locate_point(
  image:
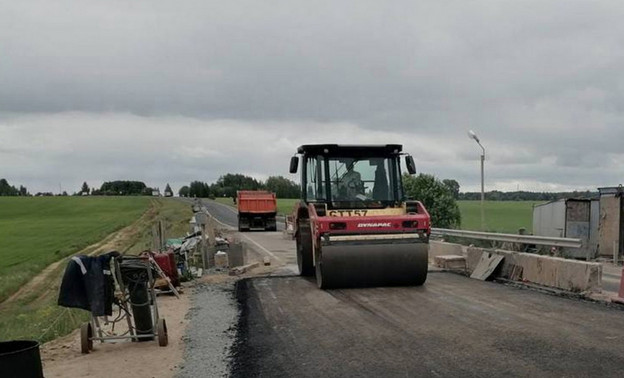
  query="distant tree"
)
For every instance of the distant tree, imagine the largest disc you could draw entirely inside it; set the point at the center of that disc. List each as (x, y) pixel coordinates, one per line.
(168, 191)
(228, 184)
(496, 195)
(23, 191)
(184, 191)
(283, 187)
(436, 197)
(7, 190)
(123, 188)
(85, 188)
(199, 189)
(453, 186)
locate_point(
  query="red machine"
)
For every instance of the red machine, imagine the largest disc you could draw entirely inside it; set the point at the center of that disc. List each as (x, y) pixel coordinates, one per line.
(166, 262)
(354, 226)
(256, 210)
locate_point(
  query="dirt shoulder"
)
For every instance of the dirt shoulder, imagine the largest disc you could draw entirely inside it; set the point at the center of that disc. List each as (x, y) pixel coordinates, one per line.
(62, 357)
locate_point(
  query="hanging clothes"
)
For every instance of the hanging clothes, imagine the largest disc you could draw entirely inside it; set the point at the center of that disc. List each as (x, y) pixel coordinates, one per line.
(88, 284)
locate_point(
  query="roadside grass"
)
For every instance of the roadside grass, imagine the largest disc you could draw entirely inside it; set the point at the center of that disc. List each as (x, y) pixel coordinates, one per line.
(175, 215)
(500, 216)
(34, 314)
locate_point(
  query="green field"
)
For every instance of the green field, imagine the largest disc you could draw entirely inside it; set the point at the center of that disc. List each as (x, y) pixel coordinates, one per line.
(35, 232)
(500, 216)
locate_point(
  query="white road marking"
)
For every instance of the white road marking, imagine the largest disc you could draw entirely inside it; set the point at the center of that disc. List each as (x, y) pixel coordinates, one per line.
(243, 235)
(218, 221)
(262, 248)
(227, 207)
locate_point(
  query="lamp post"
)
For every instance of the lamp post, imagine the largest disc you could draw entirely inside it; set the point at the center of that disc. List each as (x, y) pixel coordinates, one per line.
(472, 135)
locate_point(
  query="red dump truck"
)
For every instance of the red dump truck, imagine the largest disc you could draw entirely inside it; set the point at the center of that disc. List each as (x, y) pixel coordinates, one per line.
(256, 210)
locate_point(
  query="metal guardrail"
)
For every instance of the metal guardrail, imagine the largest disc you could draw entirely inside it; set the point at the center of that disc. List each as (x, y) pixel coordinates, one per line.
(511, 238)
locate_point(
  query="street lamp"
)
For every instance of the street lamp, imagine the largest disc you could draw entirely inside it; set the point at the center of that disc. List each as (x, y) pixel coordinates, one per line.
(472, 135)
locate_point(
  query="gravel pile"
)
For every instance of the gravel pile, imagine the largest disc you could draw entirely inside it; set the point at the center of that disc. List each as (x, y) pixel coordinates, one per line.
(211, 331)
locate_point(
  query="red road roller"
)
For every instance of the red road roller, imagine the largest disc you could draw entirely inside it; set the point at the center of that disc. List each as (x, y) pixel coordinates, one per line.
(354, 225)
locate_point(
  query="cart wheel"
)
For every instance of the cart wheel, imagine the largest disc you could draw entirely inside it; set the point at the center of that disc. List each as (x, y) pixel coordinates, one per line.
(163, 338)
(86, 338)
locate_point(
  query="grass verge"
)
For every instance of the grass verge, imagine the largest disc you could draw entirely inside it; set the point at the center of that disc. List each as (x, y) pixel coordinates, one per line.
(500, 216)
(33, 313)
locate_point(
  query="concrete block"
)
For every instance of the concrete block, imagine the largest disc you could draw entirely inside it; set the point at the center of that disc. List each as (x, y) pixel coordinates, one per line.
(451, 262)
(438, 248)
(473, 256)
(487, 266)
(571, 275)
(236, 255)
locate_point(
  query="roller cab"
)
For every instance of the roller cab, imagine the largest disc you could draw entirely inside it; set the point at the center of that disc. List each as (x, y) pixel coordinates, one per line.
(354, 226)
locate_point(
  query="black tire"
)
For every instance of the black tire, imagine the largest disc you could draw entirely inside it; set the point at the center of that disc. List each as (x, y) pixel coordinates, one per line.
(273, 225)
(86, 341)
(163, 337)
(319, 272)
(322, 280)
(423, 268)
(304, 250)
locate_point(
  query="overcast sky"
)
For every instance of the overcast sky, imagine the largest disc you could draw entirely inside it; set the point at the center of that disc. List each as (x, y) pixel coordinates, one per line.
(174, 91)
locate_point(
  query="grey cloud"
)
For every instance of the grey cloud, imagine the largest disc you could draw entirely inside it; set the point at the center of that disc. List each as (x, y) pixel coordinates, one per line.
(538, 80)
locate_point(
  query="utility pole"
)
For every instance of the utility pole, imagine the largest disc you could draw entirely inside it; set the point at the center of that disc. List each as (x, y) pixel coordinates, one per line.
(472, 135)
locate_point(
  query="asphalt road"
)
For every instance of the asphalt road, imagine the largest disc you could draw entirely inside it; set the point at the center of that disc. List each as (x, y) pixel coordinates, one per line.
(452, 326)
(228, 215)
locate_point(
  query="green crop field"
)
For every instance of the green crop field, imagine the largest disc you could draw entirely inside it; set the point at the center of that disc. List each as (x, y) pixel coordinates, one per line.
(35, 232)
(500, 216)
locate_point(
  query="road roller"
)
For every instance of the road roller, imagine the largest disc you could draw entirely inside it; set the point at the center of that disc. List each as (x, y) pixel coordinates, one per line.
(354, 225)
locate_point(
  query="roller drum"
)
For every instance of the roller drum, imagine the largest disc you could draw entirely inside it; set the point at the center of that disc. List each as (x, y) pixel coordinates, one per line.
(339, 266)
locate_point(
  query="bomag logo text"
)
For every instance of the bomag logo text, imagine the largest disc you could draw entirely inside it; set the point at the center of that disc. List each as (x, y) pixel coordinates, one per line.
(368, 225)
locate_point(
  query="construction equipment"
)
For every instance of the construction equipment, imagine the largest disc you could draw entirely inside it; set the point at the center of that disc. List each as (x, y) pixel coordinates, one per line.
(136, 303)
(256, 210)
(354, 226)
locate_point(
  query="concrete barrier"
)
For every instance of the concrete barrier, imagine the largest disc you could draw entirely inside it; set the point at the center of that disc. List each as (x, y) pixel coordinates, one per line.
(438, 248)
(451, 262)
(570, 275)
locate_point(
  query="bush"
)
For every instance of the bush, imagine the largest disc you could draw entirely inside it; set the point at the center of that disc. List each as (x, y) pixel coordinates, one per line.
(437, 198)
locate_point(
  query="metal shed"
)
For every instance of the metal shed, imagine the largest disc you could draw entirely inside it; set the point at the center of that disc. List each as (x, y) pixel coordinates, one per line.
(569, 218)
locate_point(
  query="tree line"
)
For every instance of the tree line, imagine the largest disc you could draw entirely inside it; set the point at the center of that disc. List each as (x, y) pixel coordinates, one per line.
(8, 190)
(496, 195)
(227, 185)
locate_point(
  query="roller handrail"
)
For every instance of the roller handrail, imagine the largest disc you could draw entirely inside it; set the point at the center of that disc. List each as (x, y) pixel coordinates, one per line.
(511, 238)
